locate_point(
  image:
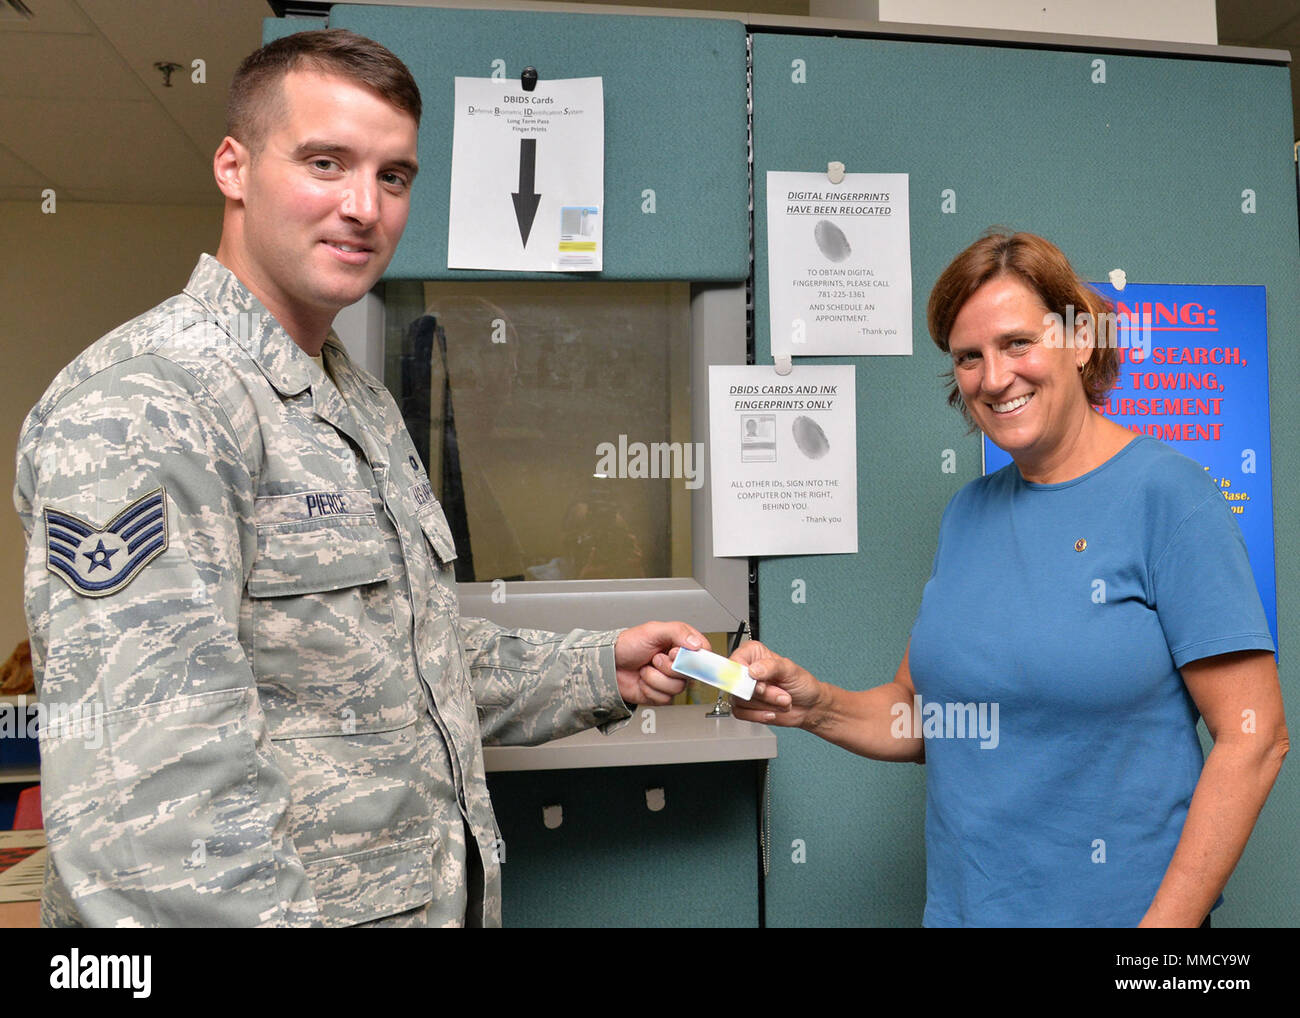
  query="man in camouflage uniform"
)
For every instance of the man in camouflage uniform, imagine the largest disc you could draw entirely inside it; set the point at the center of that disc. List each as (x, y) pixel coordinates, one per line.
(269, 710)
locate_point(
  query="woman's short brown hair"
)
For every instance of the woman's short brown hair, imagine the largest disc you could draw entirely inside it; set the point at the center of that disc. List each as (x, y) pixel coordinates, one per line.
(255, 94)
(1043, 267)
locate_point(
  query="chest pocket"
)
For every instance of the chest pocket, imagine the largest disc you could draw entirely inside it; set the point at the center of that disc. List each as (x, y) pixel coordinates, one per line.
(324, 641)
(441, 551)
(437, 631)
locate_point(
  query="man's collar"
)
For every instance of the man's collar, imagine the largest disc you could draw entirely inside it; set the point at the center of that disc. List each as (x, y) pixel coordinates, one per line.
(238, 313)
(336, 358)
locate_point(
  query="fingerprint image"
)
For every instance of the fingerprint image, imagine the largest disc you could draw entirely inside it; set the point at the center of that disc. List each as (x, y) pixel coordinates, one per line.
(810, 438)
(831, 241)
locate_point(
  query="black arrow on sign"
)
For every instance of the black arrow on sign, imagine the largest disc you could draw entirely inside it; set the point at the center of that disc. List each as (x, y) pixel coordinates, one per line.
(526, 200)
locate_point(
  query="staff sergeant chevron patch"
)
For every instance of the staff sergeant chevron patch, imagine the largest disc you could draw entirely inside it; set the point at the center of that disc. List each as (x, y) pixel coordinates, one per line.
(98, 561)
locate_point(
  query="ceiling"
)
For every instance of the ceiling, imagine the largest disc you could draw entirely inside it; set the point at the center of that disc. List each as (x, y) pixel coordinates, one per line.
(83, 109)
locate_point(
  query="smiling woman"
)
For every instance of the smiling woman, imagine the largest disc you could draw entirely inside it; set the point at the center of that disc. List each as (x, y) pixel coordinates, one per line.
(1018, 375)
(1091, 599)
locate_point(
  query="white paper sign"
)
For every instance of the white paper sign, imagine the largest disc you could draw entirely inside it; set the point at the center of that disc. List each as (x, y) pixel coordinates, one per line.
(527, 176)
(784, 456)
(839, 260)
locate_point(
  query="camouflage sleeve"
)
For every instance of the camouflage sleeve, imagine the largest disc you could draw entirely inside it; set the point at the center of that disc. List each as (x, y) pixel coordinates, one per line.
(164, 803)
(533, 686)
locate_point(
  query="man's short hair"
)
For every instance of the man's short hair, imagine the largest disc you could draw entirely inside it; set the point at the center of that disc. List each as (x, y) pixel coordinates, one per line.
(256, 93)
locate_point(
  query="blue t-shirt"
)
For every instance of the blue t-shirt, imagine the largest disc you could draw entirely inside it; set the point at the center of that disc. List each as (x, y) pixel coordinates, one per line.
(1061, 747)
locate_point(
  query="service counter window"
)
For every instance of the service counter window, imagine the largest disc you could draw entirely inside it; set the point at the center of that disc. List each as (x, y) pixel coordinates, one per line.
(563, 428)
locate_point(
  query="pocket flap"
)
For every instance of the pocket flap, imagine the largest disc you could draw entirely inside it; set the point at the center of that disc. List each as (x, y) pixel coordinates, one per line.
(369, 885)
(329, 555)
(438, 531)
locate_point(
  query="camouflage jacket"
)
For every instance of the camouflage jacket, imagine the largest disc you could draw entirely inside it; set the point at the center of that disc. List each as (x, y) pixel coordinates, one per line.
(262, 704)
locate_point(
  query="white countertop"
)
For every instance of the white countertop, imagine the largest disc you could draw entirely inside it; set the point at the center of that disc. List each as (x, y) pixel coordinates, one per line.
(681, 734)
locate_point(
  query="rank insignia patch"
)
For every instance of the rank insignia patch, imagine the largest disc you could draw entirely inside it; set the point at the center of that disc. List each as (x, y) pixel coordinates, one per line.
(98, 561)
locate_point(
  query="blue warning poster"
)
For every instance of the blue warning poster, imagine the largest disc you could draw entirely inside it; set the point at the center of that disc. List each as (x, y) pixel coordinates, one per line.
(1194, 374)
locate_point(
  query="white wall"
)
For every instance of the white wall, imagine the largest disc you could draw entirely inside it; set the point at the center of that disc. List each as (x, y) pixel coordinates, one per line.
(67, 278)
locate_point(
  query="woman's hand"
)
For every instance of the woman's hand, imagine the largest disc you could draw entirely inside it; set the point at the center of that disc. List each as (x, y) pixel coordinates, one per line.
(860, 721)
(786, 695)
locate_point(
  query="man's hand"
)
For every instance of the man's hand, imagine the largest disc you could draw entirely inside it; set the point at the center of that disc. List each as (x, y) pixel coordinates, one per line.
(785, 694)
(642, 656)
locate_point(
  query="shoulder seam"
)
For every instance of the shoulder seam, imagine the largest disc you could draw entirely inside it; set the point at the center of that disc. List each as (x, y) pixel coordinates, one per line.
(1181, 523)
(216, 402)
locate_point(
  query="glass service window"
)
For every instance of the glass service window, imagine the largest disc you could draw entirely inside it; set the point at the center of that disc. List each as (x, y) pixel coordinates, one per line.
(555, 423)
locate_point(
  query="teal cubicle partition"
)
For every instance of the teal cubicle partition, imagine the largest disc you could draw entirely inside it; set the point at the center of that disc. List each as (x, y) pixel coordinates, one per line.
(674, 124)
(1137, 162)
